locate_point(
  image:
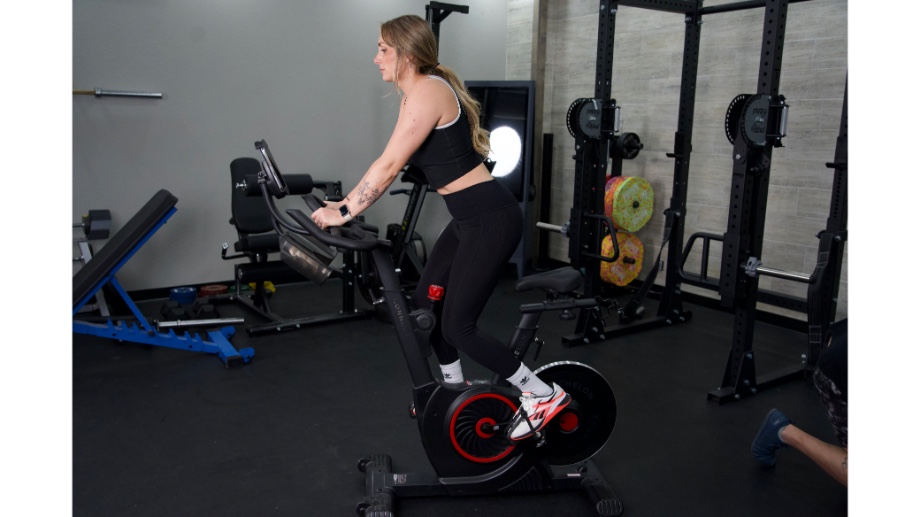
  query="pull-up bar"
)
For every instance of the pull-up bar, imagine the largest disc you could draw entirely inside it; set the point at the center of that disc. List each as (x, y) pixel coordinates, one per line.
(436, 12)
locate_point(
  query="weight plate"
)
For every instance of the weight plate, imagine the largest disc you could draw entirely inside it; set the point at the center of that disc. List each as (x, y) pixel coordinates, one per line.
(733, 116)
(627, 267)
(627, 146)
(212, 290)
(183, 295)
(584, 119)
(571, 121)
(628, 202)
(754, 120)
(584, 426)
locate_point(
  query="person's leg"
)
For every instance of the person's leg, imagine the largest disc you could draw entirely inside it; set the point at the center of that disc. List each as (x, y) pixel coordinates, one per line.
(830, 382)
(468, 267)
(830, 378)
(486, 243)
(436, 272)
(831, 458)
(777, 432)
(484, 246)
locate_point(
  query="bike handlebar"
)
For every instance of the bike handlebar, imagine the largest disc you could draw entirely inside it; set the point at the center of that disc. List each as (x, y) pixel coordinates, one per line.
(354, 235)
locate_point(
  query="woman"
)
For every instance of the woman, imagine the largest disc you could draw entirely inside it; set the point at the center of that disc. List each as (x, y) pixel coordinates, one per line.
(438, 131)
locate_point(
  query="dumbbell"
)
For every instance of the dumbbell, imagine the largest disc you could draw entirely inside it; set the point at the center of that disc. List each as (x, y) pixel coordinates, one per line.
(96, 224)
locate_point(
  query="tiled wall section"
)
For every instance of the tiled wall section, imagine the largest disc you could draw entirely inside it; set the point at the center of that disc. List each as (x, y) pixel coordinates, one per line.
(518, 60)
(648, 53)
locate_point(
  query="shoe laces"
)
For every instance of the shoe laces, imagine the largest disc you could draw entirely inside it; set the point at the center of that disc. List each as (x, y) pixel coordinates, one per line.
(528, 402)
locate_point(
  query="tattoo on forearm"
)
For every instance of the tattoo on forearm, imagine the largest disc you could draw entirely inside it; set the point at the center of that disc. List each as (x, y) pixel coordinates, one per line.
(367, 195)
(846, 460)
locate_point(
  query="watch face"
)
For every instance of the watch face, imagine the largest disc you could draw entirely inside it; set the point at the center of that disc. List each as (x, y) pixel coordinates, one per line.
(343, 210)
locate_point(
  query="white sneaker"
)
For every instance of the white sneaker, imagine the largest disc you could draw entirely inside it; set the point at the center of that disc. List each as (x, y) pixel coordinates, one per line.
(535, 412)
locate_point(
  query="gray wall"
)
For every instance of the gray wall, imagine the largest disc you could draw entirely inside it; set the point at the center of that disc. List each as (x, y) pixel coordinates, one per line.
(646, 83)
(297, 73)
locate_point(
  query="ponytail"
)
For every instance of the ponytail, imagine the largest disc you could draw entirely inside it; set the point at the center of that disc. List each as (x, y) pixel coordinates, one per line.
(479, 135)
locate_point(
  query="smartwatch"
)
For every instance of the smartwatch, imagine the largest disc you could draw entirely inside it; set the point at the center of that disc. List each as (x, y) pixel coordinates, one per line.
(343, 210)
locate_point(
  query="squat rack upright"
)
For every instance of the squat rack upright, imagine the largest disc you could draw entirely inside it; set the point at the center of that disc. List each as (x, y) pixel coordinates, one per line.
(742, 242)
(585, 221)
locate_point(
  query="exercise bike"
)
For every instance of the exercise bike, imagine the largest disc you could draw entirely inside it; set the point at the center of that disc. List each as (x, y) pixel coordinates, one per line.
(463, 429)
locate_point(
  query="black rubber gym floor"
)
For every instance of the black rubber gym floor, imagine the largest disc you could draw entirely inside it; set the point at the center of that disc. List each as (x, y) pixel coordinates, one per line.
(167, 432)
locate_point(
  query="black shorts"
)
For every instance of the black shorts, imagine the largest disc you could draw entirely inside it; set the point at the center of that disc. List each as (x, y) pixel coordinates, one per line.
(831, 380)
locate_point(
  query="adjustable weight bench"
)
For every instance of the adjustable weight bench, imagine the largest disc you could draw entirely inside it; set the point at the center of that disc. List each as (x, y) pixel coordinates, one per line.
(103, 267)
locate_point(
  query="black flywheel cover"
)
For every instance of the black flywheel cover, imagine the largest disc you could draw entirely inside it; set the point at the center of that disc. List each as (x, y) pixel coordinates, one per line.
(585, 425)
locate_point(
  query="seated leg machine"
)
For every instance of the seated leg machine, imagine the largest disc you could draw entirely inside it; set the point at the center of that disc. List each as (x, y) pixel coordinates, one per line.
(258, 241)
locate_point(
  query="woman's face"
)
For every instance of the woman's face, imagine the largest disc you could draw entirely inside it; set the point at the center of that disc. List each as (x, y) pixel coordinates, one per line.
(386, 60)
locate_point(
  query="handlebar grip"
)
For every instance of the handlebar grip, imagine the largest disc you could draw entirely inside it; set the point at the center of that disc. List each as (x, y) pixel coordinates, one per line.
(313, 203)
(352, 237)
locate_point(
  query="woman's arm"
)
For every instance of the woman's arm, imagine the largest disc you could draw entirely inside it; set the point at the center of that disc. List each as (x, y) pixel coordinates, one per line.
(418, 116)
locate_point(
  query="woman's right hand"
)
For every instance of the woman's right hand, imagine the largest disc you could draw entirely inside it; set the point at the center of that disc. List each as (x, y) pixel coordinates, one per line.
(327, 216)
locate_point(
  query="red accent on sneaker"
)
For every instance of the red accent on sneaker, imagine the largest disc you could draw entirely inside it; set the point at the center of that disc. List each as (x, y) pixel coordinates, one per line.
(542, 412)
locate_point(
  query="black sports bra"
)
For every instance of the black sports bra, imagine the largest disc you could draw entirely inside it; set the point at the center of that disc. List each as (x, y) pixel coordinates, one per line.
(447, 153)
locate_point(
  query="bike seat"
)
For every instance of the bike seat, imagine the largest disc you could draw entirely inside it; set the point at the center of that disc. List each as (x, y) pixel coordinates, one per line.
(562, 280)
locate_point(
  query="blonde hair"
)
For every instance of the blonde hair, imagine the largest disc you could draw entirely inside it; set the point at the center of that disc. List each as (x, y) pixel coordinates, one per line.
(411, 36)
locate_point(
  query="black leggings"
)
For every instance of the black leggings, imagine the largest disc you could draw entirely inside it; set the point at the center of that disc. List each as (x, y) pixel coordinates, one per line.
(467, 261)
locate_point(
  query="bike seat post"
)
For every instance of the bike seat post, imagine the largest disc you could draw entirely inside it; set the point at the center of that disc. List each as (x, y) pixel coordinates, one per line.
(526, 330)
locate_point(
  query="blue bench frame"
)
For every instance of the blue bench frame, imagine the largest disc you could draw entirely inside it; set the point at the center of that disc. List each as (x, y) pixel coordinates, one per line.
(103, 267)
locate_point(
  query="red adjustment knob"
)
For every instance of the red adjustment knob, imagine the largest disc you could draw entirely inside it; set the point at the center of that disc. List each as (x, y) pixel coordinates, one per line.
(435, 293)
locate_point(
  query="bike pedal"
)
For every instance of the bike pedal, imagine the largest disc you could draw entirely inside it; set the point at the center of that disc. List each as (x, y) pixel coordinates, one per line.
(540, 438)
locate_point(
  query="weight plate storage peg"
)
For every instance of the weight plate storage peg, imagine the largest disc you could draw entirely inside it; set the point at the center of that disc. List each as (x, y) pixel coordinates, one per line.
(627, 146)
